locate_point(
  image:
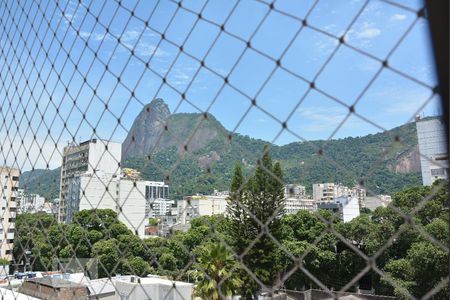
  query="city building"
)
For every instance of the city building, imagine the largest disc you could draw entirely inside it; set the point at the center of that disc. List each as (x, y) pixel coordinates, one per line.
(89, 157)
(292, 205)
(157, 195)
(372, 202)
(326, 192)
(100, 191)
(345, 207)
(92, 179)
(54, 288)
(432, 140)
(296, 199)
(30, 203)
(201, 205)
(137, 288)
(294, 191)
(9, 183)
(360, 193)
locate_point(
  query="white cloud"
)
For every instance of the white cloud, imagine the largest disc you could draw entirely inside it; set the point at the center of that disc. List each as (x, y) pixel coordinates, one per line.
(398, 17)
(368, 33)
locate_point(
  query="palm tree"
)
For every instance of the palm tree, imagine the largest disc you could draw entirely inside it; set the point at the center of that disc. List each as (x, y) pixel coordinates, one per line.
(215, 270)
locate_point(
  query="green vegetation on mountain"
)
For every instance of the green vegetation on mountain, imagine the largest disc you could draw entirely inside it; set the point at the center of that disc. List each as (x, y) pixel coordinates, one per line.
(43, 182)
(194, 153)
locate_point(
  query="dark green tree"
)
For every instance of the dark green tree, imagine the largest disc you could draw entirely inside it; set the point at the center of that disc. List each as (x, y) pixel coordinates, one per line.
(256, 221)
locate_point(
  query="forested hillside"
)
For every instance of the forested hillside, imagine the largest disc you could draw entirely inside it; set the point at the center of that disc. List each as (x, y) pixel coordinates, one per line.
(194, 153)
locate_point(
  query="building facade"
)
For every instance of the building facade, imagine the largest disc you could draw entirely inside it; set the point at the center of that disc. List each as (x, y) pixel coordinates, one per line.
(9, 183)
(30, 202)
(326, 192)
(344, 207)
(157, 195)
(432, 139)
(89, 157)
(293, 205)
(201, 205)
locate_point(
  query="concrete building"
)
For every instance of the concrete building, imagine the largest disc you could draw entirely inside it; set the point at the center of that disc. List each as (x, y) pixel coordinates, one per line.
(326, 192)
(201, 205)
(360, 193)
(372, 202)
(292, 205)
(136, 288)
(296, 199)
(30, 203)
(432, 139)
(131, 205)
(345, 207)
(54, 288)
(9, 183)
(89, 157)
(158, 202)
(294, 191)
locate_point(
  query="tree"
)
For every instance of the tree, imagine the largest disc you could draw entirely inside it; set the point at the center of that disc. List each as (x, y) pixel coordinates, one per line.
(215, 273)
(257, 220)
(237, 213)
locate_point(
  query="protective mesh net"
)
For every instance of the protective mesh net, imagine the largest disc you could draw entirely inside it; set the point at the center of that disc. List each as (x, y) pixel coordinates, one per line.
(83, 121)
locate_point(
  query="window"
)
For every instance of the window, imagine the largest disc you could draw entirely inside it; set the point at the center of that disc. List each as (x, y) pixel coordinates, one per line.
(437, 172)
(15, 178)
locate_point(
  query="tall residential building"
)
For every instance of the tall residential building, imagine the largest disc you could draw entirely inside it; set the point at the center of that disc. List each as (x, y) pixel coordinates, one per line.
(9, 182)
(89, 157)
(432, 139)
(91, 178)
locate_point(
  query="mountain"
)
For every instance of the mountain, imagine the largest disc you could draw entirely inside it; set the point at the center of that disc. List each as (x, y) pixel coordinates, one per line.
(41, 181)
(194, 153)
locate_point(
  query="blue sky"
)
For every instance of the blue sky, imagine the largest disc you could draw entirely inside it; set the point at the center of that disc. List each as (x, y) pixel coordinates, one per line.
(282, 94)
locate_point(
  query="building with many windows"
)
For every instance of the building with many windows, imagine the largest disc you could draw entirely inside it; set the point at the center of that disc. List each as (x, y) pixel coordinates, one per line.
(9, 183)
(89, 158)
(432, 139)
(326, 192)
(201, 205)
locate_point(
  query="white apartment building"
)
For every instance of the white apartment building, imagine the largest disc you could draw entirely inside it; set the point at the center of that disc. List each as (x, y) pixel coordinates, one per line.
(201, 205)
(29, 202)
(89, 157)
(432, 139)
(9, 183)
(126, 197)
(157, 195)
(346, 207)
(131, 205)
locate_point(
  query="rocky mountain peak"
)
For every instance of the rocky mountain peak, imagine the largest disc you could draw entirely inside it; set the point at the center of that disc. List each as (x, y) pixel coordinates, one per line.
(146, 129)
